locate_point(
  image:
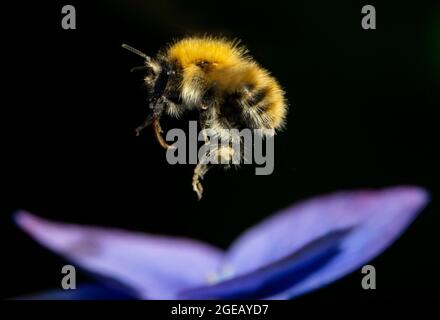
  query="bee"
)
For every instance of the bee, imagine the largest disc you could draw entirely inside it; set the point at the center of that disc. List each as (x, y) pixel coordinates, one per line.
(218, 78)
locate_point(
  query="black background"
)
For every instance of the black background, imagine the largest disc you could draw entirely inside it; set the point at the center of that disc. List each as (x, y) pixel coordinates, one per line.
(362, 115)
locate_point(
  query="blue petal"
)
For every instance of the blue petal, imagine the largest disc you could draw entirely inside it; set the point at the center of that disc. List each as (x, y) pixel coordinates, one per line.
(83, 292)
(278, 276)
(266, 256)
(155, 267)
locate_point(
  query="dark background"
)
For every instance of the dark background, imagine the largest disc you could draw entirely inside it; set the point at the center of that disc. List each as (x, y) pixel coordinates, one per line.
(362, 115)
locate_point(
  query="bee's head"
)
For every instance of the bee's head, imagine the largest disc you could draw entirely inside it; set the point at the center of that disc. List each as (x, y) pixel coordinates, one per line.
(158, 74)
(162, 76)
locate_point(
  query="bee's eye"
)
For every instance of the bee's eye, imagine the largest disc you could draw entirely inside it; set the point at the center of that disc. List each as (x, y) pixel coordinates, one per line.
(202, 63)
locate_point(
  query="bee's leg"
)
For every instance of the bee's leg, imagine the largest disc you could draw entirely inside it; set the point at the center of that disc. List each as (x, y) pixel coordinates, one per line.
(166, 104)
(158, 134)
(199, 171)
(205, 118)
(201, 168)
(157, 110)
(154, 118)
(207, 112)
(223, 155)
(148, 120)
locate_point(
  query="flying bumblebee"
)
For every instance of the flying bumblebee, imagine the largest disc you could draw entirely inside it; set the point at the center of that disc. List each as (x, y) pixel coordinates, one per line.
(218, 78)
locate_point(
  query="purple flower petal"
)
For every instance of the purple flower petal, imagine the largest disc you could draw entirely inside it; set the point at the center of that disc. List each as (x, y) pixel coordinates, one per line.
(376, 219)
(156, 267)
(88, 291)
(277, 276)
(300, 249)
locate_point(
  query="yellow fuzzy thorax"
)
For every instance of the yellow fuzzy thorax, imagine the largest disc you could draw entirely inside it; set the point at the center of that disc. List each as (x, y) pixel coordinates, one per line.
(221, 52)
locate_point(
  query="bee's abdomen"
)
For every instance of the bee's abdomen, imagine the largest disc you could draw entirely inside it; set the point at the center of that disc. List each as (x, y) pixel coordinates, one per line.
(263, 107)
(256, 97)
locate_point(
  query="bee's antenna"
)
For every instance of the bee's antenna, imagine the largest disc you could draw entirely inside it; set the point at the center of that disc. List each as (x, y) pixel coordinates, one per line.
(135, 51)
(138, 68)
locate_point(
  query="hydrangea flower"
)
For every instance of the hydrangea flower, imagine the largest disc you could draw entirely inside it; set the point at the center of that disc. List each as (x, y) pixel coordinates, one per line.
(300, 249)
